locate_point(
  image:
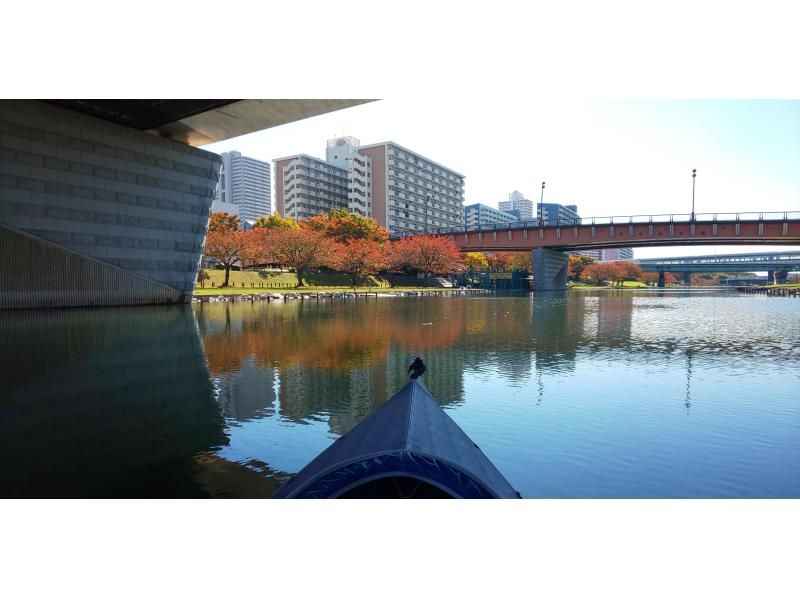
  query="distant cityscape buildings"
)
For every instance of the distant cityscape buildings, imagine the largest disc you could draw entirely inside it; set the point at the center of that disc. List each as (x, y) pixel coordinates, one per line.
(554, 212)
(404, 191)
(518, 203)
(479, 214)
(246, 183)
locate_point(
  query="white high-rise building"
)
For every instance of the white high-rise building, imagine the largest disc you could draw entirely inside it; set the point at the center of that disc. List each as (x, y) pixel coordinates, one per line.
(343, 152)
(517, 201)
(479, 214)
(245, 182)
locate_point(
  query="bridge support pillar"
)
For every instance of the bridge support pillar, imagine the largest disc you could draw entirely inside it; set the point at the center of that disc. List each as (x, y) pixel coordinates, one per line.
(687, 279)
(771, 277)
(781, 277)
(549, 270)
(661, 281)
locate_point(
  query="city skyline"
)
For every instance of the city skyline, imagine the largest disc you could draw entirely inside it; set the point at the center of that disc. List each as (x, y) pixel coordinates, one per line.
(611, 158)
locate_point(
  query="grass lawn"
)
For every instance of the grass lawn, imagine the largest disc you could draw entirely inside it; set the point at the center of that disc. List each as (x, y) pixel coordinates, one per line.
(782, 286)
(246, 282)
(274, 280)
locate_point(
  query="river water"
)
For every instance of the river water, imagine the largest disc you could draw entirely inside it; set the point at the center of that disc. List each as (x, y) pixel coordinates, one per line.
(618, 394)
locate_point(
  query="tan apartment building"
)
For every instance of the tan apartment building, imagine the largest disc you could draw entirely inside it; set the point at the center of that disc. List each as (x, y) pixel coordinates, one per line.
(404, 191)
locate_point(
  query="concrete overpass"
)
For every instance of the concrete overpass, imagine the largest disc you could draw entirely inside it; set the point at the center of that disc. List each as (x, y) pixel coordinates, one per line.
(550, 243)
(106, 202)
(777, 264)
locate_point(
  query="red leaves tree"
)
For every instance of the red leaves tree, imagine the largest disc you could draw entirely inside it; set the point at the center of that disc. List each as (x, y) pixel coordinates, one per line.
(226, 246)
(499, 262)
(627, 270)
(359, 257)
(427, 254)
(298, 248)
(600, 272)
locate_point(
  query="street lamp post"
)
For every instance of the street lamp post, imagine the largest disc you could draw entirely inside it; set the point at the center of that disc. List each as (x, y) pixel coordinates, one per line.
(541, 207)
(694, 174)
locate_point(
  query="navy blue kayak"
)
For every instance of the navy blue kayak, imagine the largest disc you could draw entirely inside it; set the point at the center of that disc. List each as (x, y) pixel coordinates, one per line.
(407, 448)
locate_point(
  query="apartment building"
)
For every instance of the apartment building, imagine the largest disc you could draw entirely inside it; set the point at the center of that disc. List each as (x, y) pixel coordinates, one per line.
(343, 153)
(555, 212)
(517, 201)
(246, 182)
(401, 189)
(479, 214)
(306, 186)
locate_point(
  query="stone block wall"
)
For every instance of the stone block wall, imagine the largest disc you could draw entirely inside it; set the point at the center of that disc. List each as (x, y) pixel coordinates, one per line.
(127, 198)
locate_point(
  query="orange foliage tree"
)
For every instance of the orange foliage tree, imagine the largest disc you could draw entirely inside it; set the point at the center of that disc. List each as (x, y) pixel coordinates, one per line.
(600, 272)
(425, 253)
(222, 221)
(359, 257)
(343, 227)
(577, 264)
(228, 247)
(298, 248)
(499, 262)
(627, 270)
(521, 261)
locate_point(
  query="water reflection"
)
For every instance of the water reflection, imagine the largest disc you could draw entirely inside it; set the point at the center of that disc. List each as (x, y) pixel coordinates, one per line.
(570, 395)
(100, 403)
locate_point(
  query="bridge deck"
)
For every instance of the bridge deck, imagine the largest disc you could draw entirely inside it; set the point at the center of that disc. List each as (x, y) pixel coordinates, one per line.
(763, 229)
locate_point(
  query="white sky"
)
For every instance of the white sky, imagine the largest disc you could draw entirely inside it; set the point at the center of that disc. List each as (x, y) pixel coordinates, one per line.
(610, 158)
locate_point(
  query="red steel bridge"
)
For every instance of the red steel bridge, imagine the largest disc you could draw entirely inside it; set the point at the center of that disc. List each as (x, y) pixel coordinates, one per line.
(550, 241)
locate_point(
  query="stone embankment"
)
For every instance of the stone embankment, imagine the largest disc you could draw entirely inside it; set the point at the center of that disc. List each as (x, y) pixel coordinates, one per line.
(770, 292)
(330, 296)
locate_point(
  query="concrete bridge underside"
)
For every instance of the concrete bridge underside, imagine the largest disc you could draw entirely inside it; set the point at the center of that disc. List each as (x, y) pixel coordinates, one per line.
(106, 202)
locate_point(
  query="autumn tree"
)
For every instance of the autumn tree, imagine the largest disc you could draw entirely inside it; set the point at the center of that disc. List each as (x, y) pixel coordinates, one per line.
(650, 278)
(228, 247)
(499, 262)
(275, 221)
(600, 272)
(475, 260)
(427, 254)
(342, 226)
(222, 221)
(521, 261)
(577, 265)
(299, 248)
(359, 257)
(626, 270)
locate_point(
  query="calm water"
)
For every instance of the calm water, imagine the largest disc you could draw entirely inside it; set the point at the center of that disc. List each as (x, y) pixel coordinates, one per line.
(634, 394)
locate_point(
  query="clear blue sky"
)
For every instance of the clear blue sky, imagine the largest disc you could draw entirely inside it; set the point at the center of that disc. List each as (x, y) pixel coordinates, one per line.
(608, 157)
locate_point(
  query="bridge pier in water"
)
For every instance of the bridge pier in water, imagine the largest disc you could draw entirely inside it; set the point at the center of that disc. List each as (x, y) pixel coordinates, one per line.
(687, 279)
(661, 281)
(549, 269)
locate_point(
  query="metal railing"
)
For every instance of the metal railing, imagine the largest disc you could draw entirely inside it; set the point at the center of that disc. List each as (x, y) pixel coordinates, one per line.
(625, 220)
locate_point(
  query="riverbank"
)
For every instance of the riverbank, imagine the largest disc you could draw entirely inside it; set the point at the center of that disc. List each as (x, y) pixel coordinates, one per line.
(239, 295)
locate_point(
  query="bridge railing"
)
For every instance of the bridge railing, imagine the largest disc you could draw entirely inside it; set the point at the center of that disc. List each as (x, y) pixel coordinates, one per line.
(624, 220)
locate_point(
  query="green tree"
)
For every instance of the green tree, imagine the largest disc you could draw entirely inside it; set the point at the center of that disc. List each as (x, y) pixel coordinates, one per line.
(275, 221)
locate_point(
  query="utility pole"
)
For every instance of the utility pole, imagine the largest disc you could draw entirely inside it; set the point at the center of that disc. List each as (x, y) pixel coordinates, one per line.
(694, 174)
